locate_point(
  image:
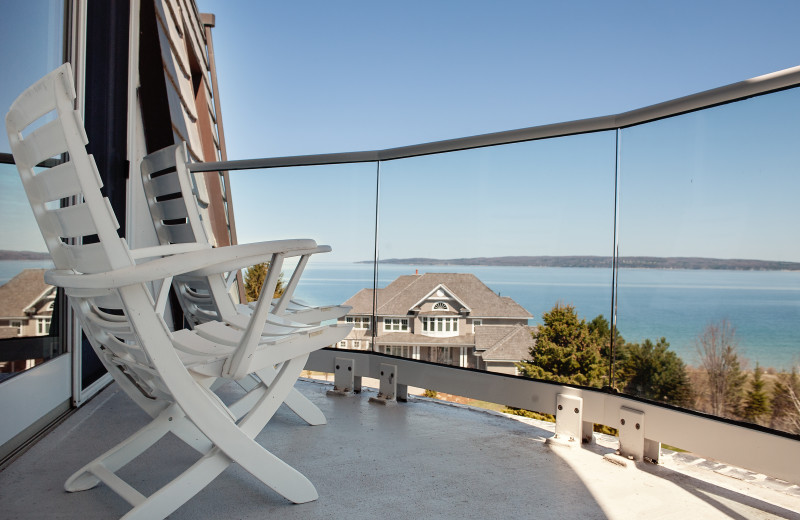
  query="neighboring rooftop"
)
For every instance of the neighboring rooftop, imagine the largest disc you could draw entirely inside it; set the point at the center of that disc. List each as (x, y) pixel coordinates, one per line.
(405, 292)
(504, 342)
(421, 459)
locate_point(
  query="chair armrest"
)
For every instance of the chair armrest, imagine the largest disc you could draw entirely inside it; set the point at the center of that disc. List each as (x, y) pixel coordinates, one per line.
(204, 262)
(167, 250)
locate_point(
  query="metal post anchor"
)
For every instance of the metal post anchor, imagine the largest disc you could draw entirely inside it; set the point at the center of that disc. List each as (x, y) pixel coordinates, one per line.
(387, 393)
(569, 421)
(343, 377)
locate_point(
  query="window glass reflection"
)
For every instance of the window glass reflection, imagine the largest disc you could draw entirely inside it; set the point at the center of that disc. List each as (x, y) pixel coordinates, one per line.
(27, 303)
(31, 36)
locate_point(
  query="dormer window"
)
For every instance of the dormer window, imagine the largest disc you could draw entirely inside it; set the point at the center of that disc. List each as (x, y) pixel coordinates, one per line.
(440, 306)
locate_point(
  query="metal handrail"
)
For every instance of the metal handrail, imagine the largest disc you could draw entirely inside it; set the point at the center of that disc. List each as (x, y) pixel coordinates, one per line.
(757, 86)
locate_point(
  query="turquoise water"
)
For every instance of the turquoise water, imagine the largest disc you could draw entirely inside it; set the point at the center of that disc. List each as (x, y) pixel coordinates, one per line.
(763, 306)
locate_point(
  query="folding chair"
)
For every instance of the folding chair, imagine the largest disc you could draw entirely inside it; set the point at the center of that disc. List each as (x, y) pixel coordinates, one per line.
(167, 373)
(171, 198)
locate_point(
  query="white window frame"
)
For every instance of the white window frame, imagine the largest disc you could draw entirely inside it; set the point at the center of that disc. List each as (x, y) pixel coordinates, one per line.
(476, 323)
(17, 324)
(359, 322)
(395, 324)
(440, 306)
(440, 326)
(43, 326)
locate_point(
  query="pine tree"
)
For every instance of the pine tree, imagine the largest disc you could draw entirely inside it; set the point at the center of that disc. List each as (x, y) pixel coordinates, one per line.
(653, 371)
(756, 404)
(566, 350)
(254, 279)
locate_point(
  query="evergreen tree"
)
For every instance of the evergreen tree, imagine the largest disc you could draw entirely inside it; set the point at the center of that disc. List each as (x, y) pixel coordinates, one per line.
(653, 371)
(254, 277)
(756, 403)
(566, 350)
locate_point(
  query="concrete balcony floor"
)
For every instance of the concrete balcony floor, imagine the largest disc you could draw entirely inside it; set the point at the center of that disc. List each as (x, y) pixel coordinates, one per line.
(421, 459)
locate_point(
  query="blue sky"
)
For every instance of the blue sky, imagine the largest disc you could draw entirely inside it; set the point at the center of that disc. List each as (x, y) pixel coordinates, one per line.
(315, 77)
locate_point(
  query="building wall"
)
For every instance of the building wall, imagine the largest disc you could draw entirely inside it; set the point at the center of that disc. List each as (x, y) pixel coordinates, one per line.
(502, 367)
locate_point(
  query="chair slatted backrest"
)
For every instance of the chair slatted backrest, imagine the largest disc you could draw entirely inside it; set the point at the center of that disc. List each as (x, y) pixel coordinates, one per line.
(173, 208)
(82, 236)
(67, 230)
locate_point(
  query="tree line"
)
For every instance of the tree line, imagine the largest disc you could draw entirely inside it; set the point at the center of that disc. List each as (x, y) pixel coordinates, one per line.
(569, 349)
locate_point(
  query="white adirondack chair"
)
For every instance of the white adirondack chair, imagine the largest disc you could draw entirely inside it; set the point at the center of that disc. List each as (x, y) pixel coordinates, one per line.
(177, 221)
(171, 197)
(167, 373)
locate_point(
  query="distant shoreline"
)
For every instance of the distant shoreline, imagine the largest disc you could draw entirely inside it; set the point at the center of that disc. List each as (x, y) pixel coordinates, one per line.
(23, 255)
(636, 262)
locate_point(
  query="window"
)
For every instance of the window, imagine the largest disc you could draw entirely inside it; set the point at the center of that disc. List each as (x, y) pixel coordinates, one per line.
(356, 344)
(359, 322)
(43, 326)
(343, 344)
(18, 325)
(444, 325)
(441, 306)
(395, 324)
(476, 323)
(399, 351)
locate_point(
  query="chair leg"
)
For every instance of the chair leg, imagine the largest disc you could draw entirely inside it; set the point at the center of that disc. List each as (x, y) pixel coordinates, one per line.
(186, 485)
(295, 400)
(124, 452)
(237, 441)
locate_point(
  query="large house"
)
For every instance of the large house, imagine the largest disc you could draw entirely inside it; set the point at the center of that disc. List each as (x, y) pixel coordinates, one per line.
(446, 318)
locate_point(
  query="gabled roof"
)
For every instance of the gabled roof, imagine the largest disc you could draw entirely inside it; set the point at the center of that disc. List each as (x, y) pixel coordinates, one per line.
(445, 290)
(400, 296)
(24, 291)
(504, 342)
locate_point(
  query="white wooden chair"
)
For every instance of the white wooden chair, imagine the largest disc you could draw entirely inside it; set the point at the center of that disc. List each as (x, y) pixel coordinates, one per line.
(167, 373)
(171, 198)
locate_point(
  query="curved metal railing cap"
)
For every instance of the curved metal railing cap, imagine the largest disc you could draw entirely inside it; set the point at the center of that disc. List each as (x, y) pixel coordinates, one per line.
(780, 80)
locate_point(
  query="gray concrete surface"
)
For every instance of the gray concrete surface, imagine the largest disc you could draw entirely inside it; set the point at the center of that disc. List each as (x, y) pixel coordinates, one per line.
(420, 459)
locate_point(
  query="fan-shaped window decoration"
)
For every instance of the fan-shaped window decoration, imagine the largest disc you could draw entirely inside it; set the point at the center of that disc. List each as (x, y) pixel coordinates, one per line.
(441, 306)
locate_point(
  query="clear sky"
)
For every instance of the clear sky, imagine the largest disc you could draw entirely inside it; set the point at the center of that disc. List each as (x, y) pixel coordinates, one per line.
(317, 77)
(308, 77)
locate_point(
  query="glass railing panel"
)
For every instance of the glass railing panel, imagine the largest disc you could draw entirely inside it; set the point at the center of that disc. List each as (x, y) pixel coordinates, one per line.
(709, 278)
(32, 34)
(332, 204)
(477, 248)
(27, 303)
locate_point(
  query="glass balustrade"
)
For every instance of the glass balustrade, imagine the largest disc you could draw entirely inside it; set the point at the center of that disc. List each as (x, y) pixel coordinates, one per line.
(478, 248)
(709, 279)
(332, 204)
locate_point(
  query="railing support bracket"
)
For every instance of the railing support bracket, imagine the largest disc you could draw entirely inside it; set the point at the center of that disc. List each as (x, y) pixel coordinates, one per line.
(569, 421)
(387, 393)
(343, 377)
